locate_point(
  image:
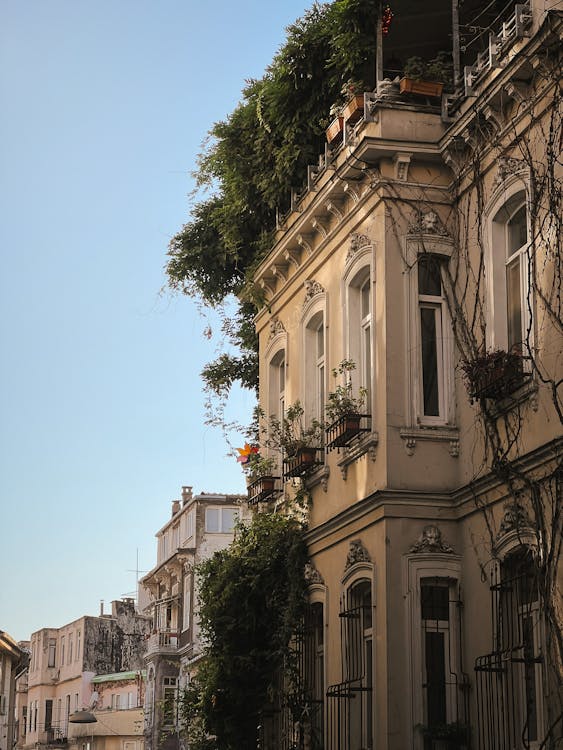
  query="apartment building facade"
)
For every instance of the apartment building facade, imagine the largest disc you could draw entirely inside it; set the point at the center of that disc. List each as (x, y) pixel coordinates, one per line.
(12, 663)
(426, 250)
(199, 526)
(64, 665)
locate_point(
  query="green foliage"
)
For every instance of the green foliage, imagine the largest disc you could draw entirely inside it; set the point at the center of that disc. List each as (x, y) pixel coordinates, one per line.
(291, 433)
(252, 597)
(341, 401)
(254, 158)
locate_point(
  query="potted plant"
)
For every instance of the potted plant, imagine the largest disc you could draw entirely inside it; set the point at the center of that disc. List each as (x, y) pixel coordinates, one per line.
(494, 374)
(426, 78)
(348, 108)
(344, 411)
(261, 481)
(300, 444)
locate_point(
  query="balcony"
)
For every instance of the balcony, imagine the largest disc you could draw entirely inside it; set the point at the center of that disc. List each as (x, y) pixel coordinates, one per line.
(164, 640)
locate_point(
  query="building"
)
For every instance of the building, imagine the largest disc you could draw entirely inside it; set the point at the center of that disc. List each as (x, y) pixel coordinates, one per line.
(199, 526)
(12, 662)
(78, 666)
(426, 245)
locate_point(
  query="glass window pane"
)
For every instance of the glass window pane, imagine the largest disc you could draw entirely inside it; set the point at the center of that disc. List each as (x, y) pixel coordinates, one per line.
(435, 677)
(229, 517)
(514, 304)
(429, 279)
(429, 361)
(434, 601)
(212, 519)
(517, 229)
(320, 341)
(364, 295)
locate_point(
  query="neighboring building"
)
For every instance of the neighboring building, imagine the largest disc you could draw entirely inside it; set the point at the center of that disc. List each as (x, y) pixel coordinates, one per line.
(200, 525)
(424, 238)
(69, 664)
(12, 661)
(20, 726)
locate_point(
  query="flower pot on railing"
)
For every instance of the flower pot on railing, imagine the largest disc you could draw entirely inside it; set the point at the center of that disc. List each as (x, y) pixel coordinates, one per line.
(494, 375)
(354, 109)
(422, 88)
(304, 459)
(335, 130)
(261, 488)
(341, 432)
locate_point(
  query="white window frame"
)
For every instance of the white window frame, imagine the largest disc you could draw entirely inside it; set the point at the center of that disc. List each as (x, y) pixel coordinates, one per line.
(187, 602)
(502, 208)
(357, 273)
(417, 567)
(221, 509)
(440, 248)
(313, 375)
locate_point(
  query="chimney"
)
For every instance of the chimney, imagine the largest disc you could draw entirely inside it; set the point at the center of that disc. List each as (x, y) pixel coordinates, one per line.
(186, 495)
(175, 507)
(101, 607)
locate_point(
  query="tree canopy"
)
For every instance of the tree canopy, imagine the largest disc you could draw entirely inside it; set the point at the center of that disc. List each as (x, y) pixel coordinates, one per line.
(253, 159)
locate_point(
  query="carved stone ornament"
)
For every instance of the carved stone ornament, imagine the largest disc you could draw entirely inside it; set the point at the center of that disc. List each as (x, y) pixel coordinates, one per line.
(276, 326)
(357, 554)
(312, 288)
(357, 242)
(515, 518)
(431, 541)
(427, 222)
(312, 575)
(506, 167)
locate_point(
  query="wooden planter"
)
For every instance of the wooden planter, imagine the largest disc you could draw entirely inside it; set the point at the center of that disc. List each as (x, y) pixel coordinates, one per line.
(261, 489)
(303, 461)
(354, 110)
(341, 432)
(423, 88)
(335, 130)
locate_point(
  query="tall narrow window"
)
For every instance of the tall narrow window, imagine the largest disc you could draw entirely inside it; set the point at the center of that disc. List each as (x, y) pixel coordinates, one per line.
(62, 651)
(516, 243)
(186, 604)
(78, 645)
(48, 715)
(514, 668)
(312, 672)
(70, 648)
(436, 651)
(169, 688)
(52, 653)
(431, 311)
(508, 284)
(359, 331)
(314, 371)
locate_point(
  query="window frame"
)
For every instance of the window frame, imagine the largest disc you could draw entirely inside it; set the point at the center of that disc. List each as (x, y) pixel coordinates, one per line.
(501, 210)
(313, 372)
(221, 509)
(359, 272)
(439, 248)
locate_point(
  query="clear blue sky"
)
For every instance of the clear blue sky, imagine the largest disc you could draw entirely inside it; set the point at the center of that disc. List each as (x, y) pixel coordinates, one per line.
(104, 106)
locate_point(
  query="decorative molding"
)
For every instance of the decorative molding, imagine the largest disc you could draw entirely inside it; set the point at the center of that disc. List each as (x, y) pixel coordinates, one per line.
(365, 445)
(493, 116)
(279, 272)
(267, 286)
(332, 208)
(312, 288)
(357, 243)
(507, 167)
(356, 554)
(352, 192)
(304, 243)
(316, 224)
(519, 92)
(312, 575)
(515, 518)
(402, 162)
(276, 327)
(431, 541)
(449, 435)
(427, 222)
(292, 257)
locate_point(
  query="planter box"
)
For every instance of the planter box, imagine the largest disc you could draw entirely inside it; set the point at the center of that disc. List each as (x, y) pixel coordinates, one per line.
(341, 432)
(423, 88)
(354, 110)
(335, 130)
(261, 489)
(304, 460)
(502, 376)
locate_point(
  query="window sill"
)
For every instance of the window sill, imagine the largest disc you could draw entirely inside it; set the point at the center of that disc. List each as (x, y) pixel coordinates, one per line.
(450, 435)
(366, 444)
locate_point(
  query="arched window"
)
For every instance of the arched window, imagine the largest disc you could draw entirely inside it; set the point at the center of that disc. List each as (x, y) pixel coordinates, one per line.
(509, 285)
(314, 358)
